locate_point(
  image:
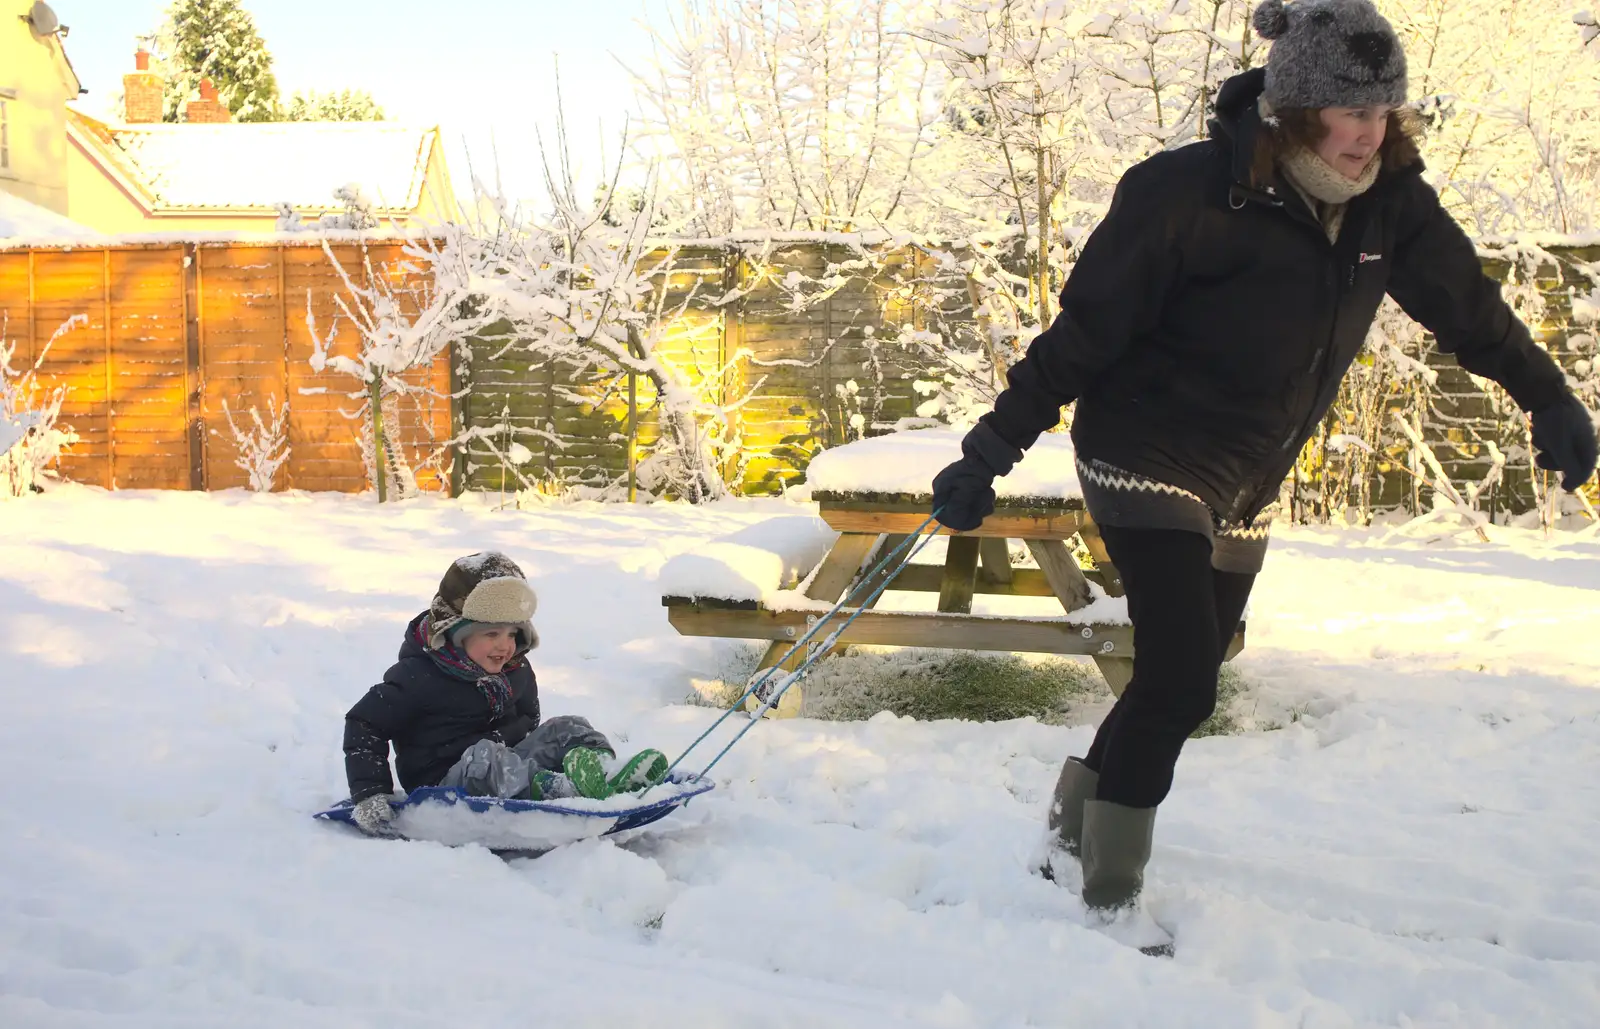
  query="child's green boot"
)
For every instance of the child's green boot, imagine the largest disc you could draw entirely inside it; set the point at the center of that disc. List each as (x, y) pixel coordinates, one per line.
(587, 770)
(546, 785)
(643, 769)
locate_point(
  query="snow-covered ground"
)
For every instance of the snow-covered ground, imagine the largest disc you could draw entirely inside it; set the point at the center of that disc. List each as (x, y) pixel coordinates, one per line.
(1418, 846)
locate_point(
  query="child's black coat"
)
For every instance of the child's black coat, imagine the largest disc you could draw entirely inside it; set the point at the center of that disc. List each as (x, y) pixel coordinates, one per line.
(431, 717)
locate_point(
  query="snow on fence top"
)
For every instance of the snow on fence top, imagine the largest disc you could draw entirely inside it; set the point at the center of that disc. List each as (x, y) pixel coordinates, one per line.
(751, 564)
(907, 461)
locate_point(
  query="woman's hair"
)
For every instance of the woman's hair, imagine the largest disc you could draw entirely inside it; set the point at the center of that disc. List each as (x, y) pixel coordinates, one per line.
(1302, 127)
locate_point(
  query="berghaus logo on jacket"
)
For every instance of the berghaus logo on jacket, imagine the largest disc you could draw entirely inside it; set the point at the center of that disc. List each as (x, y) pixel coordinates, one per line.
(1365, 257)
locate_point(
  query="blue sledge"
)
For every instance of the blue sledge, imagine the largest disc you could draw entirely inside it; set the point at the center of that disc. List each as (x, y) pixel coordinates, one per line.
(450, 816)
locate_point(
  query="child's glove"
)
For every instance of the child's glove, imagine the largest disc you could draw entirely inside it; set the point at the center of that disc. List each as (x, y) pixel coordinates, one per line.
(374, 816)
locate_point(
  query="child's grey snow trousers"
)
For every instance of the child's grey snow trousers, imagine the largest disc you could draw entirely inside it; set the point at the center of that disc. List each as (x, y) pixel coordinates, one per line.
(489, 768)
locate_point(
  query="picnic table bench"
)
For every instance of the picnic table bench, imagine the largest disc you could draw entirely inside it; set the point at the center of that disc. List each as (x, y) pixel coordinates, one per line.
(1039, 507)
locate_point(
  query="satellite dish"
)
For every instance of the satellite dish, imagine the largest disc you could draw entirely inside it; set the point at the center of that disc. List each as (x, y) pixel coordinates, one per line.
(43, 19)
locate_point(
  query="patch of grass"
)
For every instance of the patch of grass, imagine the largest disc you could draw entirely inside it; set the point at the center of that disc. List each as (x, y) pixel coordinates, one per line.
(971, 686)
(922, 684)
(1227, 719)
(734, 662)
(930, 685)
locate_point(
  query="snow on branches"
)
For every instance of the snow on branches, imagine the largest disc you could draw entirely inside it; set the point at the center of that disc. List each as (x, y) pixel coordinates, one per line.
(30, 438)
(1588, 26)
(403, 319)
(261, 445)
(790, 114)
(572, 290)
(216, 40)
(1512, 144)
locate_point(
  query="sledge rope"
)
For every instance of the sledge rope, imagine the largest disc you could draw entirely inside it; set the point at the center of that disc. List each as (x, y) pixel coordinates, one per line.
(911, 546)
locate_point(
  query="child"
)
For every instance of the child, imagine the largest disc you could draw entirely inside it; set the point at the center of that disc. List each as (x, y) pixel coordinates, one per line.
(461, 706)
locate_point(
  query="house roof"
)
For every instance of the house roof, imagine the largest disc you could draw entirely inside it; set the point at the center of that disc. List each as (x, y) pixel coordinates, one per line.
(261, 165)
(20, 219)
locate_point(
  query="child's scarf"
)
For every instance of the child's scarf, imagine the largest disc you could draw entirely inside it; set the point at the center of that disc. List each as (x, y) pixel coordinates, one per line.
(495, 686)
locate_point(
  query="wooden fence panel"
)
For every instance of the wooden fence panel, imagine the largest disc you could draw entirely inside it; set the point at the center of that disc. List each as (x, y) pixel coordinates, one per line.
(16, 306)
(241, 350)
(162, 344)
(511, 400)
(692, 348)
(324, 433)
(785, 421)
(149, 375)
(67, 285)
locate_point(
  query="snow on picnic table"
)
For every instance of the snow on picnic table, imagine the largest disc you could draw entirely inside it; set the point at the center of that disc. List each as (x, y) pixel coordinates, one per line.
(751, 563)
(1415, 847)
(907, 461)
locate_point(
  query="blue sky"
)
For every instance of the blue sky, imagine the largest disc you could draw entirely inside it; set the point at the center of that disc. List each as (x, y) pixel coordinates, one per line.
(482, 70)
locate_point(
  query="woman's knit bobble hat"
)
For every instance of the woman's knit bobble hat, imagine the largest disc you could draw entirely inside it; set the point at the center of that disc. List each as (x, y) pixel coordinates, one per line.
(486, 587)
(1330, 53)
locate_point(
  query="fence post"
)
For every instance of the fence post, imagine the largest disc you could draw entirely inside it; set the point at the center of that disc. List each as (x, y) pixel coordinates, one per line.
(33, 299)
(457, 356)
(193, 376)
(105, 319)
(283, 331)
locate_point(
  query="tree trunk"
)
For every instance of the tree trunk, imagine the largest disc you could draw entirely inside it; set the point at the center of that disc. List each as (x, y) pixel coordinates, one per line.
(697, 480)
(1044, 212)
(633, 438)
(380, 466)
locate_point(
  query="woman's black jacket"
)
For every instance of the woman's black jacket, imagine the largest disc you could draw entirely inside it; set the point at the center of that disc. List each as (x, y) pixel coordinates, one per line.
(1205, 329)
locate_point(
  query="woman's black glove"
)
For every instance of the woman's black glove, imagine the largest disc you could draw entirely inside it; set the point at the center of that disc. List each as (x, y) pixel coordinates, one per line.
(1564, 436)
(963, 494)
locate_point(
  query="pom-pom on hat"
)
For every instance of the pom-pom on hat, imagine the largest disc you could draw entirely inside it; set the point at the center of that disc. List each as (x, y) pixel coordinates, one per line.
(1330, 53)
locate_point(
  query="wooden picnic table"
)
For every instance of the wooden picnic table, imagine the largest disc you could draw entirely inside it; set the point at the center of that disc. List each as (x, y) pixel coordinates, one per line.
(861, 492)
(976, 562)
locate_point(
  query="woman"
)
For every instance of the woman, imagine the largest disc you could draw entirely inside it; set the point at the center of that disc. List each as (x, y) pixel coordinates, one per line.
(1203, 335)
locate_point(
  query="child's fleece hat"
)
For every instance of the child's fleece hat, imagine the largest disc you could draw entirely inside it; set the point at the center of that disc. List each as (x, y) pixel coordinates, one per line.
(486, 587)
(1330, 53)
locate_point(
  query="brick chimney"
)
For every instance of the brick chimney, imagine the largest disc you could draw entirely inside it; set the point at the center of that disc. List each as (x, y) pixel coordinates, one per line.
(208, 109)
(141, 91)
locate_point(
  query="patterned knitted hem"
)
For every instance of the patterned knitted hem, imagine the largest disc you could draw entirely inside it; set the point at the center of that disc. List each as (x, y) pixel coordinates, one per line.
(1116, 496)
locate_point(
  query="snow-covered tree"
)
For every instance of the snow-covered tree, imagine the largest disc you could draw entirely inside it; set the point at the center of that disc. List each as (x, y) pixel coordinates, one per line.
(31, 439)
(790, 114)
(340, 105)
(1513, 140)
(592, 297)
(1051, 101)
(404, 318)
(216, 40)
(261, 445)
(589, 288)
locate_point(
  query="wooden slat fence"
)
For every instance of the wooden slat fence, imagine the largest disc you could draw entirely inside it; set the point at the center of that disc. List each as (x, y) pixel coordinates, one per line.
(809, 378)
(171, 331)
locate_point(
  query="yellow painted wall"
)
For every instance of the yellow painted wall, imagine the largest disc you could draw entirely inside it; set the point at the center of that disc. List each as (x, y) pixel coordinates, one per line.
(438, 202)
(35, 85)
(96, 200)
